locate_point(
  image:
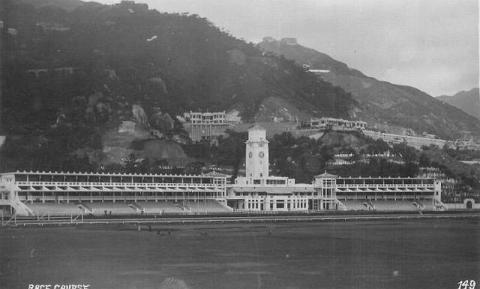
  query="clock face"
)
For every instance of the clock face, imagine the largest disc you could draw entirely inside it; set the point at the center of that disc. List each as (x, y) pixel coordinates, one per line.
(261, 154)
(250, 154)
(260, 144)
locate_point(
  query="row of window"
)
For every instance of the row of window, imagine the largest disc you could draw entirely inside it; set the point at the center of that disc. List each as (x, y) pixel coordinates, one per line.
(114, 179)
(276, 204)
(384, 181)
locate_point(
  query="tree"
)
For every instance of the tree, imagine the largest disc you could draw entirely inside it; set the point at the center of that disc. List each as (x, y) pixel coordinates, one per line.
(231, 150)
(407, 153)
(424, 160)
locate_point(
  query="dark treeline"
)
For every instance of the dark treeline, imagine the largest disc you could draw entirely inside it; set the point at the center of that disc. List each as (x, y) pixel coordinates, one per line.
(171, 62)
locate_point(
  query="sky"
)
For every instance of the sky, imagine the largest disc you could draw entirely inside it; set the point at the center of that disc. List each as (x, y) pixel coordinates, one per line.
(432, 45)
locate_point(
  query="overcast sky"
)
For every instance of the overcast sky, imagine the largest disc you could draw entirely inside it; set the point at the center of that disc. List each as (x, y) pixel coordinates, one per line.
(428, 44)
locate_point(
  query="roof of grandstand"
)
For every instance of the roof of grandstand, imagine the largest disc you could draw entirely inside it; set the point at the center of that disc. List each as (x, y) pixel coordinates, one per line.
(326, 175)
(112, 174)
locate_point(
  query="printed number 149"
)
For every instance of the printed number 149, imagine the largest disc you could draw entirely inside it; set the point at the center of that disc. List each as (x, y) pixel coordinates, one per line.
(467, 284)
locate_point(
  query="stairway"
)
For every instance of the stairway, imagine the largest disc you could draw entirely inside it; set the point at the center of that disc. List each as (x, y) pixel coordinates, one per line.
(21, 209)
(136, 207)
(86, 209)
(341, 206)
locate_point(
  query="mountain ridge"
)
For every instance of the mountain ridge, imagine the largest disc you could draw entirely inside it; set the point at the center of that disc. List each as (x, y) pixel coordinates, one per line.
(466, 100)
(384, 105)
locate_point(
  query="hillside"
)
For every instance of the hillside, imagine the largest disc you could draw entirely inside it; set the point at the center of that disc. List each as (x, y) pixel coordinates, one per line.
(468, 101)
(68, 5)
(383, 104)
(78, 71)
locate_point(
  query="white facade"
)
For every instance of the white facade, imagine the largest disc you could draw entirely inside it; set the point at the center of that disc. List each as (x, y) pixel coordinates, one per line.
(205, 125)
(337, 124)
(256, 158)
(258, 191)
(21, 192)
(414, 141)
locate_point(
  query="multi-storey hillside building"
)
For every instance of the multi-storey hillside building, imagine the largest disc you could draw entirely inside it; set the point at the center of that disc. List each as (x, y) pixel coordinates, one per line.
(350, 159)
(414, 141)
(466, 144)
(205, 125)
(337, 124)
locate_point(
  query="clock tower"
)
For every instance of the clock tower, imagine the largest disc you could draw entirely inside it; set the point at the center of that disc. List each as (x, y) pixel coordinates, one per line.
(256, 159)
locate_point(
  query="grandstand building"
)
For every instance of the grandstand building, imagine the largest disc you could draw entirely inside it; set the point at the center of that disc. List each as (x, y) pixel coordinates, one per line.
(104, 194)
(65, 193)
(258, 191)
(387, 194)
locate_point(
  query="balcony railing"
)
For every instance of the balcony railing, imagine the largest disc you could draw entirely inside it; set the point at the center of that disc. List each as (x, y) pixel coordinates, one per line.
(108, 184)
(426, 186)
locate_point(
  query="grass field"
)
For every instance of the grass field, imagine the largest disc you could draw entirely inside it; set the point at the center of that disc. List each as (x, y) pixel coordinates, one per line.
(375, 254)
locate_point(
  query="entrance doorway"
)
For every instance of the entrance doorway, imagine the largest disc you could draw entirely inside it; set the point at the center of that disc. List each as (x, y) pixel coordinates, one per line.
(469, 204)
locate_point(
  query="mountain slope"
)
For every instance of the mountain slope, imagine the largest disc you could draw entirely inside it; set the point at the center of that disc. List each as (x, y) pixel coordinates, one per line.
(76, 75)
(468, 101)
(68, 5)
(384, 105)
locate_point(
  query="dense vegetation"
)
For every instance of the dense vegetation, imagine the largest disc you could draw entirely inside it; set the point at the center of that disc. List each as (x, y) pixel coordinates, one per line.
(303, 158)
(126, 54)
(168, 63)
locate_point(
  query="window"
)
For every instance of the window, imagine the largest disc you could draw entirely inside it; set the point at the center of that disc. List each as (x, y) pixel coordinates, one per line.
(275, 182)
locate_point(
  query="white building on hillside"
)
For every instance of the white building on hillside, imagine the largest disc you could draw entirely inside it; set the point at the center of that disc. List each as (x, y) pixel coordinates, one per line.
(337, 124)
(205, 125)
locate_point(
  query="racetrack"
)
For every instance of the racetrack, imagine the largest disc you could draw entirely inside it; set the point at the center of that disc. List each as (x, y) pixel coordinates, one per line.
(413, 253)
(277, 218)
